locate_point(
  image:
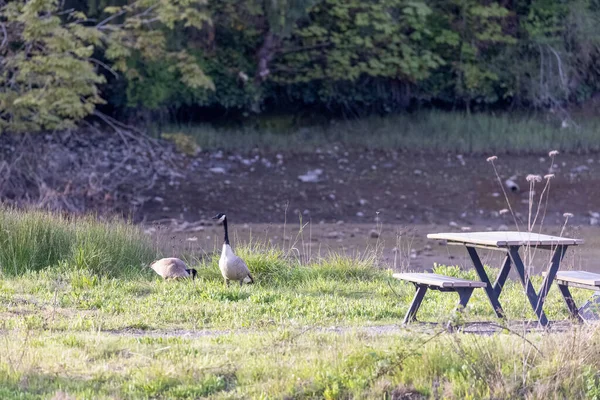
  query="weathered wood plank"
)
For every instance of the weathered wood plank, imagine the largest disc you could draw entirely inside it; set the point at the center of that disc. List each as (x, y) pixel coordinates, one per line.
(504, 239)
(575, 285)
(583, 277)
(438, 280)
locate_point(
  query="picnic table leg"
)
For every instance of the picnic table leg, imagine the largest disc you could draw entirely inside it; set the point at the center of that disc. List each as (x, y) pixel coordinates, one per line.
(557, 257)
(566, 293)
(489, 290)
(529, 290)
(411, 314)
(502, 276)
(464, 296)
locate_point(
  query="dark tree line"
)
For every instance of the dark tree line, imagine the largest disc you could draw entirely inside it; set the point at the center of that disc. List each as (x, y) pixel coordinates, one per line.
(61, 61)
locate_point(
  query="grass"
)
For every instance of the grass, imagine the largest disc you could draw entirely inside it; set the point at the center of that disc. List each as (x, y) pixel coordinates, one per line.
(427, 131)
(34, 240)
(73, 330)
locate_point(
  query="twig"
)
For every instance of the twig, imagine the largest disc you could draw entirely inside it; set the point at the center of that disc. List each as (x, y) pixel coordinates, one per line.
(491, 160)
(106, 67)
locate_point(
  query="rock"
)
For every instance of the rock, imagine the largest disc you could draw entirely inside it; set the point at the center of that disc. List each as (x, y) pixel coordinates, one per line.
(503, 227)
(417, 172)
(192, 239)
(511, 185)
(312, 176)
(453, 224)
(593, 221)
(333, 235)
(362, 202)
(580, 169)
(217, 170)
(360, 214)
(373, 234)
(594, 214)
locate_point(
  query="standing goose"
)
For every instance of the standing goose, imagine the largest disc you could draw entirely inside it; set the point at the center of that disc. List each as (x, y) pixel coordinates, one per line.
(232, 267)
(172, 268)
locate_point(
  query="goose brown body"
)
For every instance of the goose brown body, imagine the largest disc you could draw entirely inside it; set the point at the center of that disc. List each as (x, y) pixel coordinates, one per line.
(172, 268)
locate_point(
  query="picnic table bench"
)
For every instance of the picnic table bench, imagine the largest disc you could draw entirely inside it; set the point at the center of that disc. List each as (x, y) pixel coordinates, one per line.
(577, 279)
(424, 281)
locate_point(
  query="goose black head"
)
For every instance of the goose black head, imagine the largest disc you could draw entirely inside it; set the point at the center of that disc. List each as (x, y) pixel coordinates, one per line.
(192, 272)
(220, 217)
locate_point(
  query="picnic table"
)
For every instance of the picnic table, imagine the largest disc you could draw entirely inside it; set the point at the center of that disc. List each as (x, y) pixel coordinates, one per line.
(511, 242)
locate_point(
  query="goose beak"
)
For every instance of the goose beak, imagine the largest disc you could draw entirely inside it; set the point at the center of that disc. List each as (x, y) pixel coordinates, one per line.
(215, 217)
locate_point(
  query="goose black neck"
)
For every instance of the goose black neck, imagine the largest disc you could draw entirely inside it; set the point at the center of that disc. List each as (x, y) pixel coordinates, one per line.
(226, 233)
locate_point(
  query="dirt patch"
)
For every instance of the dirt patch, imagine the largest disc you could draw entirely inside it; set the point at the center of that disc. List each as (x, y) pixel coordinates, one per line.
(357, 200)
(398, 246)
(482, 328)
(368, 186)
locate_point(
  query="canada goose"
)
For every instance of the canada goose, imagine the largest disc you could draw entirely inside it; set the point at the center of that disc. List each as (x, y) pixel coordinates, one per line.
(232, 267)
(172, 268)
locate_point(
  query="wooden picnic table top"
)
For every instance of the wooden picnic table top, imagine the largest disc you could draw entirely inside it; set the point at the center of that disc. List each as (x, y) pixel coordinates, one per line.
(505, 238)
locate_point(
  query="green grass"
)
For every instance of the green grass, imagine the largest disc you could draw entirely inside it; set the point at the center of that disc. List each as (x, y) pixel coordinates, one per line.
(71, 330)
(428, 131)
(288, 363)
(34, 240)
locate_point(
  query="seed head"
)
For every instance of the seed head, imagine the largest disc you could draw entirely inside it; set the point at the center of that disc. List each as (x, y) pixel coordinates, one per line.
(567, 215)
(491, 159)
(553, 153)
(533, 178)
(503, 211)
(549, 176)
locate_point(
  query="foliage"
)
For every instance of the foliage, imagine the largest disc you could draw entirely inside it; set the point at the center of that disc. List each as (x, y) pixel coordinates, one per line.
(353, 56)
(47, 80)
(48, 56)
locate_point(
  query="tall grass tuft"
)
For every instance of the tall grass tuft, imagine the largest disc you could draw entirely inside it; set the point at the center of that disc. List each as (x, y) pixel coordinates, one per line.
(271, 266)
(33, 240)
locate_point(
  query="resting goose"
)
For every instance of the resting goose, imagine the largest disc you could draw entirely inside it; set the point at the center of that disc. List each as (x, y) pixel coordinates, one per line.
(172, 268)
(232, 267)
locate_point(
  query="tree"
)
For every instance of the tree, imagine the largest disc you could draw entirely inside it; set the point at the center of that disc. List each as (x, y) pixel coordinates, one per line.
(50, 76)
(48, 80)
